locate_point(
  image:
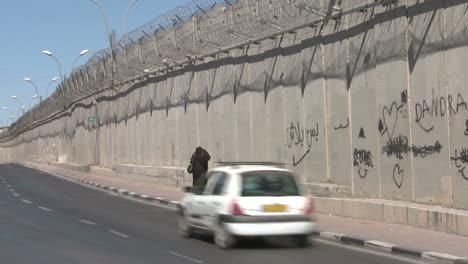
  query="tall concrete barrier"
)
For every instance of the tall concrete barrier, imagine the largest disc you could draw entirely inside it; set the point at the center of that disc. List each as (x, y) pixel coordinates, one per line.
(372, 104)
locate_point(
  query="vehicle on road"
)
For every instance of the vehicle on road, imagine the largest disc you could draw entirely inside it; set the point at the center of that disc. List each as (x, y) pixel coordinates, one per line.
(247, 200)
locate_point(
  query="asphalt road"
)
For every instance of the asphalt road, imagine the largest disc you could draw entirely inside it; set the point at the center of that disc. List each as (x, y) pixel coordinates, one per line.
(45, 219)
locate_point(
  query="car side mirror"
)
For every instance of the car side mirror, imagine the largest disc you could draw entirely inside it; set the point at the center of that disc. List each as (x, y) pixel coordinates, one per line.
(187, 189)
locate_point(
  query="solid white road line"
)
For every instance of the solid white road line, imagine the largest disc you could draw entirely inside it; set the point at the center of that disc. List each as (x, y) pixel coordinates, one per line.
(26, 201)
(45, 209)
(185, 257)
(118, 233)
(87, 222)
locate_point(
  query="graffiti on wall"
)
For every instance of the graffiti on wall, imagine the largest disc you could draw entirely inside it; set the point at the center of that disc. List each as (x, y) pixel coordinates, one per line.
(466, 130)
(297, 136)
(398, 175)
(342, 126)
(362, 159)
(439, 106)
(461, 160)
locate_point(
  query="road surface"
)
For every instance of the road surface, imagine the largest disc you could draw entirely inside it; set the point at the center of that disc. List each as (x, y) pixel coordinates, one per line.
(45, 219)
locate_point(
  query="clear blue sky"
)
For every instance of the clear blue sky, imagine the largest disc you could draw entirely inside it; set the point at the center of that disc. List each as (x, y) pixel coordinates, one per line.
(64, 27)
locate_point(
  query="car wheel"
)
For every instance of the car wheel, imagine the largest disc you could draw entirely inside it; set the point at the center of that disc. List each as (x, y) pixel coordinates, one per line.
(301, 241)
(184, 228)
(222, 238)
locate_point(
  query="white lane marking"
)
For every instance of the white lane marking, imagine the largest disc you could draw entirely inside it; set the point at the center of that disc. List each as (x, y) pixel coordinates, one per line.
(26, 201)
(16, 194)
(118, 233)
(185, 257)
(45, 209)
(11, 190)
(87, 222)
(8, 185)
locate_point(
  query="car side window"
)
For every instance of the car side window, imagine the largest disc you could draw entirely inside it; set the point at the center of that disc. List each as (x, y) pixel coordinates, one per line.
(213, 177)
(220, 183)
(202, 184)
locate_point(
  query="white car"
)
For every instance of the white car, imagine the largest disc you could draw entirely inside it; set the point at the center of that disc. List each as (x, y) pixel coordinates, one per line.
(242, 200)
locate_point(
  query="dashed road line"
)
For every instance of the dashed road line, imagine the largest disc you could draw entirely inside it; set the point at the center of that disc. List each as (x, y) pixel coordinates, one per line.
(118, 233)
(45, 209)
(185, 257)
(88, 222)
(16, 194)
(26, 201)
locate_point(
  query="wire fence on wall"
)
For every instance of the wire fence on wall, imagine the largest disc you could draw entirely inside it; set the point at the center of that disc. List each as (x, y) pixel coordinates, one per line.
(185, 33)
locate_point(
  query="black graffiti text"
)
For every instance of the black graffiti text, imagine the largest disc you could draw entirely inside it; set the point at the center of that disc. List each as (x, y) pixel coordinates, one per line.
(399, 146)
(461, 160)
(439, 107)
(363, 157)
(295, 135)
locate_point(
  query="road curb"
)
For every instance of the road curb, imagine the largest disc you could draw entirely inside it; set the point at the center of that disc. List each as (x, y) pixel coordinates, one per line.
(394, 249)
(330, 236)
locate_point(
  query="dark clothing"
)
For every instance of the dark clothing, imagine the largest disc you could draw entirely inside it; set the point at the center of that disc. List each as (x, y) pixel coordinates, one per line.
(199, 163)
(200, 183)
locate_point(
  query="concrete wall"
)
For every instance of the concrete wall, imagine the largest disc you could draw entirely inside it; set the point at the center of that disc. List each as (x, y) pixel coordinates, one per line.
(374, 101)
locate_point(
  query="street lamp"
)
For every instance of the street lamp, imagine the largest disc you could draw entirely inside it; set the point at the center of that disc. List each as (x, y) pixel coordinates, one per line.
(82, 53)
(126, 18)
(21, 108)
(51, 81)
(19, 101)
(6, 109)
(29, 104)
(107, 33)
(35, 86)
(48, 53)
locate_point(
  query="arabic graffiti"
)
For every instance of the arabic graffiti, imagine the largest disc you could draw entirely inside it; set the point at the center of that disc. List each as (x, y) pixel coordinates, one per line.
(461, 160)
(298, 136)
(341, 126)
(295, 135)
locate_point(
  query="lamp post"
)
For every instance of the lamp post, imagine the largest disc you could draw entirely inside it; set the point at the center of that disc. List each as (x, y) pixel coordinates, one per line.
(82, 53)
(48, 53)
(18, 112)
(107, 32)
(29, 104)
(126, 18)
(14, 97)
(35, 86)
(11, 114)
(51, 81)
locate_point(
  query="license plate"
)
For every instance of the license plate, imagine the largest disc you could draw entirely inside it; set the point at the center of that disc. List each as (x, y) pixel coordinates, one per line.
(275, 208)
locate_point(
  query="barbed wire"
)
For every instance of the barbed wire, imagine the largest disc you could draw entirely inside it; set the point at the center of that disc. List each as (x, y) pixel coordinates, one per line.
(197, 29)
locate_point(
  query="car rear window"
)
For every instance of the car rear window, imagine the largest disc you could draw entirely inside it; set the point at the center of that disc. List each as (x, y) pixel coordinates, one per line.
(268, 183)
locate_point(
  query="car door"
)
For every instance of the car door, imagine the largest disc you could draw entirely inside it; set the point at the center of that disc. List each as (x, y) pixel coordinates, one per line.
(215, 199)
(201, 201)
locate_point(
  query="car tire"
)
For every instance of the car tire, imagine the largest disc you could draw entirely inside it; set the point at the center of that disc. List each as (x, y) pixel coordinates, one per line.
(183, 227)
(222, 238)
(301, 241)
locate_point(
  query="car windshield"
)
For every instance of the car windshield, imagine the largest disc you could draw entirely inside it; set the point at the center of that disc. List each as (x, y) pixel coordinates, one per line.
(268, 183)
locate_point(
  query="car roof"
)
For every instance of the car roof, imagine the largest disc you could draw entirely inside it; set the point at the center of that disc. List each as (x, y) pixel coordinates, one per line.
(238, 169)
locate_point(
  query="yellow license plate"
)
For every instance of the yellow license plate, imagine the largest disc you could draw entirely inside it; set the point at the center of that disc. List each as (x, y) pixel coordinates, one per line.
(275, 208)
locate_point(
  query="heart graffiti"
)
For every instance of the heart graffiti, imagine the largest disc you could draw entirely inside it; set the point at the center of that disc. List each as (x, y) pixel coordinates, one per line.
(390, 116)
(398, 175)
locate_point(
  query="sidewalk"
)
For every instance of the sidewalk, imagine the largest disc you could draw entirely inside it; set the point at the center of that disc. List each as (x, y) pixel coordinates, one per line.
(401, 235)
